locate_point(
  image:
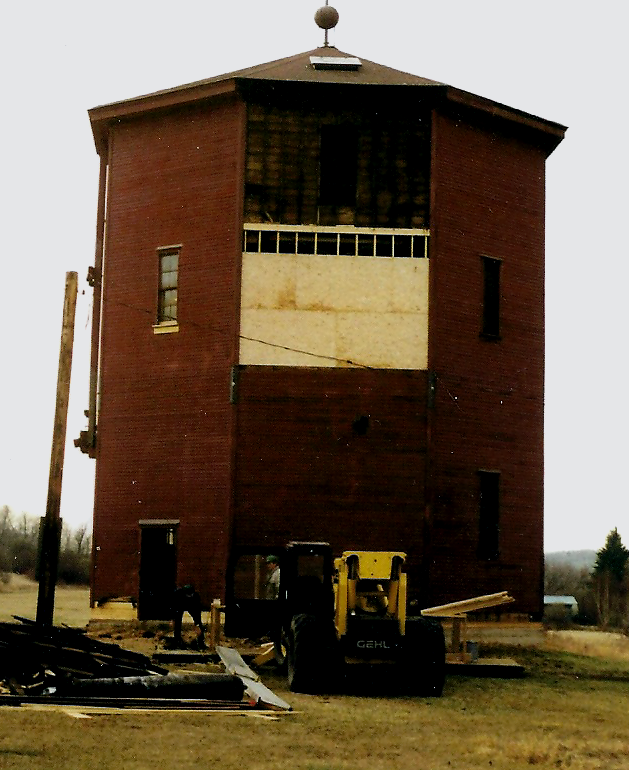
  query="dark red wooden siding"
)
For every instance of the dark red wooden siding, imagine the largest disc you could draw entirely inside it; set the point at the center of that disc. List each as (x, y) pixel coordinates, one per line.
(165, 428)
(286, 459)
(487, 199)
(305, 472)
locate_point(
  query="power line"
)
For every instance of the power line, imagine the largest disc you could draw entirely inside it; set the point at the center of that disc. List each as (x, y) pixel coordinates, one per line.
(215, 330)
(306, 352)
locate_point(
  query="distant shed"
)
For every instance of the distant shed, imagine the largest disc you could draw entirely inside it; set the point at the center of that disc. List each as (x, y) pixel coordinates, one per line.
(560, 607)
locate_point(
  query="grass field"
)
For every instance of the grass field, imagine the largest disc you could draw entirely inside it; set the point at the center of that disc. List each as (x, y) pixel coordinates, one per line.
(19, 597)
(569, 711)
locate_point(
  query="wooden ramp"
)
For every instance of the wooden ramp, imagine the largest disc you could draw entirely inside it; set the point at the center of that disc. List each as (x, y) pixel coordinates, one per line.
(459, 656)
(498, 668)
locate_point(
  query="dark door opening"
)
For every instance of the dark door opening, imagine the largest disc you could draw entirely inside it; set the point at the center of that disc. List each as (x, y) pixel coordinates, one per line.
(158, 570)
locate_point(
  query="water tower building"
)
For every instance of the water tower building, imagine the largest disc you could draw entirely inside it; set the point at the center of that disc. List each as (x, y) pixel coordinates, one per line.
(319, 294)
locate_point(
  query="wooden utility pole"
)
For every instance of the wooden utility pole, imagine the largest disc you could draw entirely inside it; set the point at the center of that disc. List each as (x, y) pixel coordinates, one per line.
(50, 533)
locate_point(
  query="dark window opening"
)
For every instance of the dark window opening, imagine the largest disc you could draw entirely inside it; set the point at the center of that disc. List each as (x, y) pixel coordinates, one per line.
(365, 247)
(404, 246)
(384, 246)
(347, 245)
(491, 297)
(327, 243)
(338, 165)
(489, 515)
(306, 243)
(251, 241)
(268, 242)
(287, 243)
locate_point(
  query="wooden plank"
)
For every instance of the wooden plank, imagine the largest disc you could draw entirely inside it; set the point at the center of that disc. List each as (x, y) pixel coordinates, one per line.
(454, 609)
(81, 702)
(84, 712)
(498, 668)
(266, 654)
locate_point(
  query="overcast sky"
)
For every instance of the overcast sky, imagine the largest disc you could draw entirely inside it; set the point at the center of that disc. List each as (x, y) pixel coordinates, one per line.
(563, 61)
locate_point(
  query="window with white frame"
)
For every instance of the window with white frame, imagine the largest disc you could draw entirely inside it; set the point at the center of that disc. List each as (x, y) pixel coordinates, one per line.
(168, 284)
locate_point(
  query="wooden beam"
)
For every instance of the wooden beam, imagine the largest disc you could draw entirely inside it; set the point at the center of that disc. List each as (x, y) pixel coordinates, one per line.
(457, 609)
(51, 522)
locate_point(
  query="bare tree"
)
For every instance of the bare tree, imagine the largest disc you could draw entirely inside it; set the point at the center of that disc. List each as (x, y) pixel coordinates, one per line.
(600, 585)
(19, 539)
(82, 540)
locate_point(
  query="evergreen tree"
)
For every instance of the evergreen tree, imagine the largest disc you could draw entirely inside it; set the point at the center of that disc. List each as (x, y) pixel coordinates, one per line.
(612, 558)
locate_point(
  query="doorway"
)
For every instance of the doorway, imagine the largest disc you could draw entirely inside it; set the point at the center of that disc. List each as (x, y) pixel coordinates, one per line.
(158, 569)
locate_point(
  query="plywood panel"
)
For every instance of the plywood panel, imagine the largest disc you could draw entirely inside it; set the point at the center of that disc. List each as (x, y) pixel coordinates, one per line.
(335, 310)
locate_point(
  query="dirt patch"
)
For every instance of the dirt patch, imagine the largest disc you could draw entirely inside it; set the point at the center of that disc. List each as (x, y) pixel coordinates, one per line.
(19, 598)
(514, 634)
(599, 644)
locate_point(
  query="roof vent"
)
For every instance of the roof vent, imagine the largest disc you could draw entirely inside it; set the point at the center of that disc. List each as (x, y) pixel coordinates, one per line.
(347, 63)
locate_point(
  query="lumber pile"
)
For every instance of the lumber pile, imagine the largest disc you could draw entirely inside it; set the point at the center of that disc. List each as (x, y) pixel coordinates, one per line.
(59, 665)
(457, 612)
(35, 657)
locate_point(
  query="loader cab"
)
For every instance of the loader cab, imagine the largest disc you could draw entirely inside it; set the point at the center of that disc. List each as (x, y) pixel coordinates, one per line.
(250, 612)
(306, 580)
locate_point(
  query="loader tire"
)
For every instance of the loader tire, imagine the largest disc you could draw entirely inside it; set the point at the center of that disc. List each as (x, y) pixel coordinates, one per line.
(424, 657)
(280, 649)
(311, 655)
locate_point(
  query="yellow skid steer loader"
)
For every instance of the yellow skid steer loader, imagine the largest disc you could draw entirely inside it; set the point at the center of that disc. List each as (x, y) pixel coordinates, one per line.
(352, 610)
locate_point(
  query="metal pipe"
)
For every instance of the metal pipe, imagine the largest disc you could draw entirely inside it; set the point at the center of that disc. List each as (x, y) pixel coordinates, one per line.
(172, 685)
(87, 441)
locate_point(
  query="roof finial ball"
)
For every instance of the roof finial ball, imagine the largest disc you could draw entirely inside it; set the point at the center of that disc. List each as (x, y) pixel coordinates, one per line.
(326, 18)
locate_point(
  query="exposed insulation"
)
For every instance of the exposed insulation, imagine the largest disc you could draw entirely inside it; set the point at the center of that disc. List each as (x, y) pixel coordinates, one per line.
(283, 168)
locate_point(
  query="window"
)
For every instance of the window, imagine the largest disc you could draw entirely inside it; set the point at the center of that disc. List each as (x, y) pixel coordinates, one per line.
(168, 279)
(337, 166)
(357, 241)
(489, 515)
(491, 297)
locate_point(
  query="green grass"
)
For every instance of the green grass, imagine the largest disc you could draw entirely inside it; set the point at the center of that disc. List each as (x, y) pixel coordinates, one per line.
(553, 666)
(568, 711)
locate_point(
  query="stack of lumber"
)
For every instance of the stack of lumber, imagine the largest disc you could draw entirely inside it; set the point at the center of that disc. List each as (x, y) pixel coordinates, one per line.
(42, 664)
(65, 652)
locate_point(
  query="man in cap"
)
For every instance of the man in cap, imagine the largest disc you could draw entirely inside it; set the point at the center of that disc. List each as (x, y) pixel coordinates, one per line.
(273, 577)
